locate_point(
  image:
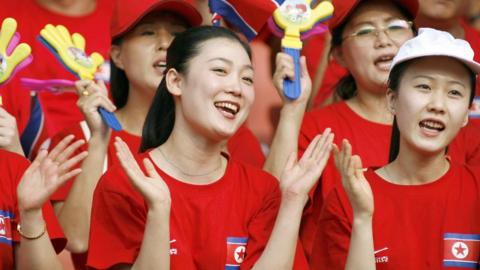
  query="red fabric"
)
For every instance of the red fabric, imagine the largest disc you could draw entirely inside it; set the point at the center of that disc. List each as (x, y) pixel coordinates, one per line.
(369, 140)
(60, 110)
(243, 146)
(409, 222)
(333, 73)
(12, 167)
(473, 37)
(243, 203)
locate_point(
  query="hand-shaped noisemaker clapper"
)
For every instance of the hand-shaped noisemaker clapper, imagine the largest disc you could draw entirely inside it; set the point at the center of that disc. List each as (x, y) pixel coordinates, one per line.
(70, 51)
(296, 18)
(12, 57)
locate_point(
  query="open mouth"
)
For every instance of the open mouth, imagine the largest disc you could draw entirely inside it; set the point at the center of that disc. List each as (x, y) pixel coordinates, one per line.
(384, 62)
(432, 125)
(229, 109)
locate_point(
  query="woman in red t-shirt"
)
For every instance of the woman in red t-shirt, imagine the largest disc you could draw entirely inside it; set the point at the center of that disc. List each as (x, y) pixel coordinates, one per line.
(196, 208)
(420, 211)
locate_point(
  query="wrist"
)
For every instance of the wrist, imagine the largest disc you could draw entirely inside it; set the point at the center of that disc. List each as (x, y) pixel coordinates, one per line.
(294, 108)
(31, 225)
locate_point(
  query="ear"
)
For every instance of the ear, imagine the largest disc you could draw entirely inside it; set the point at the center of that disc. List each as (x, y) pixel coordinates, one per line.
(115, 52)
(391, 100)
(174, 82)
(338, 54)
(465, 121)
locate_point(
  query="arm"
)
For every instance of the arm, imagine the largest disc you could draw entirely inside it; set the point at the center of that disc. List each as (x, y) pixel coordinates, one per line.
(74, 213)
(39, 181)
(155, 249)
(296, 181)
(285, 140)
(9, 138)
(321, 68)
(361, 252)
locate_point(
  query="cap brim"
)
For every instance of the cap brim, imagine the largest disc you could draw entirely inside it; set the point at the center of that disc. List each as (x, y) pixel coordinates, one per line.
(475, 67)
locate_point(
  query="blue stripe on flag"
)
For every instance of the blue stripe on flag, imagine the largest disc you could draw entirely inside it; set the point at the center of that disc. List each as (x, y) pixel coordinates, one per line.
(5, 240)
(237, 240)
(6, 214)
(34, 127)
(460, 264)
(461, 236)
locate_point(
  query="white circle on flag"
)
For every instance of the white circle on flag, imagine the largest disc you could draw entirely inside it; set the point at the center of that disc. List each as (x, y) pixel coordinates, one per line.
(239, 254)
(460, 250)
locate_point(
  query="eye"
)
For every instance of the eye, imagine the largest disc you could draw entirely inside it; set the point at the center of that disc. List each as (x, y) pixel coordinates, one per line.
(455, 93)
(364, 31)
(248, 80)
(398, 25)
(220, 71)
(422, 86)
(147, 33)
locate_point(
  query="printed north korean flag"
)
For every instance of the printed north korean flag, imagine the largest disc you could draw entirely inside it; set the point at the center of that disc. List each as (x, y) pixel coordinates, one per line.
(236, 248)
(5, 227)
(461, 250)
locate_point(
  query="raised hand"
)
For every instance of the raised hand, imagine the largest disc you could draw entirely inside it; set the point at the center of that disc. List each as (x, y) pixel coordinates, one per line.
(9, 138)
(152, 187)
(298, 177)
(92, 96)
(45, 175)
(12, 57)
(354, 182)
(285, 69)
(71, 51)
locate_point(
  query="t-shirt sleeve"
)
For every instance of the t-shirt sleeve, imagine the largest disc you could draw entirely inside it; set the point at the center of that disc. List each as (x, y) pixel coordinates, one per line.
(473, 143)
(261, 226)
(117, 223)
(332, 240)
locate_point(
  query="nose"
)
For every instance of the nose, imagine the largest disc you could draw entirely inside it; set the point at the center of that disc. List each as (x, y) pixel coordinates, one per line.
(164, 39)
(235, 85)
(436, 103)
(382, 39)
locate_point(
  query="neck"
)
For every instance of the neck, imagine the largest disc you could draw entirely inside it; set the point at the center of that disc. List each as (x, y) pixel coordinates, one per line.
(72, 8)
(452, 26)
(133, 114)
(188, 156)
(371, 106)
(414, 168)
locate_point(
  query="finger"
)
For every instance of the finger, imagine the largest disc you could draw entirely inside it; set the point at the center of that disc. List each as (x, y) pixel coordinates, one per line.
(357, 165)
(64, 35)
(324, 143)
(67, 165)
(20, 53)
(65, 154)
(67, 176)
(102, 87)
(336, 156)
(60, 146)
(303, 67)
(84, 87)
(347, 153)
(127, 161)
(78, 41)
(322, 155)
(37, 161)
(9, 26)
(49, 33)
(311, 146)
(151, 171)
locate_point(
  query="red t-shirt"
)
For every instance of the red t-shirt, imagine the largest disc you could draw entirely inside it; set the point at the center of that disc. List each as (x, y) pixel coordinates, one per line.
(369, 140)
(60, 110)
(244, 146)
(12, 167)
(429, 226)
(211, 226)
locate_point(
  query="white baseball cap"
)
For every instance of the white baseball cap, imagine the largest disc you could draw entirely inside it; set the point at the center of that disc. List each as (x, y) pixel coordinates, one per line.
(432, 42)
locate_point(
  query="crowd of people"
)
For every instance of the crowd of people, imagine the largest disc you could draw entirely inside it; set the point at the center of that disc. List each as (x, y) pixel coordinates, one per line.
(374, 166)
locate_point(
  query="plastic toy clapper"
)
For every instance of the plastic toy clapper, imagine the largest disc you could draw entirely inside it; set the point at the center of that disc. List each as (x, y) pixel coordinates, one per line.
(70, 51)
(296, 17)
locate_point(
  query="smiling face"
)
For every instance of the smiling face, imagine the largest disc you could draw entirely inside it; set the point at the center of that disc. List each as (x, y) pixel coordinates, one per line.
(142, 52)
(368, 57)
(215, 95)
(431, 104)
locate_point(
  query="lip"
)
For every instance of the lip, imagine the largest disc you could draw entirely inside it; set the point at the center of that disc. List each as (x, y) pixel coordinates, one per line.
(231, 104)
(160, 65)
(431, 132)
(384, 61)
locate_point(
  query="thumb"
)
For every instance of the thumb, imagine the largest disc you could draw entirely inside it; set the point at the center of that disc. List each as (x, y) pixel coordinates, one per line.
(303, 66)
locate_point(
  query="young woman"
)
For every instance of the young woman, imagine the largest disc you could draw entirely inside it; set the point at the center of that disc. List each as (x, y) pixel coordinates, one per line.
(366, 35)
(30, 235)
(420, 211)
(196, 208)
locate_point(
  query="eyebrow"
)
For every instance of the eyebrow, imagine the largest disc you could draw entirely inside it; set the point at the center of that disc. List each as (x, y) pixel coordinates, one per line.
(228, 62)
(386, 20)
(431, 78)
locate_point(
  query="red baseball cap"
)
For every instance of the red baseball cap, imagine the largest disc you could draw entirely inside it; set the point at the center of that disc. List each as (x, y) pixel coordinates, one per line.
(343, 8)
(127, 13)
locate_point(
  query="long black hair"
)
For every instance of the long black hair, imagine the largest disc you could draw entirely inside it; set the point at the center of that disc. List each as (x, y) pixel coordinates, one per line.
(394, 79)
(161, 117)
(346, 87)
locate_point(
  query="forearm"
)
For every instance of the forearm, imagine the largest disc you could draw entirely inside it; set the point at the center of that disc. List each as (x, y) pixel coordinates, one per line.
(279, 252)
(35, 254)
(361, 255)
(15, 147)
(285, 140)
(155, 249)
(74, 215)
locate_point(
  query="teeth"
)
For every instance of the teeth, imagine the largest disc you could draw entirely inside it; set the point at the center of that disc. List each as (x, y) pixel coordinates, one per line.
(229, 106)
(432, 125)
